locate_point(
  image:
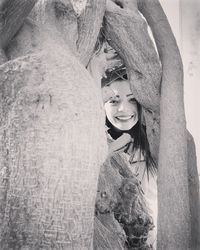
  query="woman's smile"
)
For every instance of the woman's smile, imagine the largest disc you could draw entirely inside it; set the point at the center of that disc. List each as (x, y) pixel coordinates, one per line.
(124, 117)
(121, 107)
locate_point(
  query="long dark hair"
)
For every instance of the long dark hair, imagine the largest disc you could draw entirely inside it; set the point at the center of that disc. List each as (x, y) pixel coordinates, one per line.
(138, 132)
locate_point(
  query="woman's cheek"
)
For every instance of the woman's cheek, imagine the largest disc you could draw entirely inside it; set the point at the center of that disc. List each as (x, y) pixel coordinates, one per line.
(110, 110)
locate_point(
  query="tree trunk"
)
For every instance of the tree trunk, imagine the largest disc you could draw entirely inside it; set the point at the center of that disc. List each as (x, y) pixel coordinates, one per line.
(190, 44)
(194, 200)
(52, 139)
(126, 32)
(177, 164)
(89, 24)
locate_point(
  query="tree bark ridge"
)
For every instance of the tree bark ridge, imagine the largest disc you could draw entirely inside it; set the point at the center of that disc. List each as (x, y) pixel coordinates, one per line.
(126, 32)
(13, 14)
(174, 225)
(89, 24)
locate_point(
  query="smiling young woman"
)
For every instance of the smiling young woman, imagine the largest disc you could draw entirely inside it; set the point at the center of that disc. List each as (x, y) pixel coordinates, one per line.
(121, 108)
(124, 119)
(124, 116)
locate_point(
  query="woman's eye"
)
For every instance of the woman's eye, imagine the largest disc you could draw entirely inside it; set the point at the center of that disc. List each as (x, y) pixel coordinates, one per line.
(114, 101)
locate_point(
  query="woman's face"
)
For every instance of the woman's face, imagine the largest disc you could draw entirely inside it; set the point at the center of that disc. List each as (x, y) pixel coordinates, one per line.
(120, 106)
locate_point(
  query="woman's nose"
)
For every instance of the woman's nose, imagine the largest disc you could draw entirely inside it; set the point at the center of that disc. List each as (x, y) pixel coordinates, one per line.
(122, 106)
(126, 106)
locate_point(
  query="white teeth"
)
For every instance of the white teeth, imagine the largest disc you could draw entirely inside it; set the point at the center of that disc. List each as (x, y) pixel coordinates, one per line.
(124, 118)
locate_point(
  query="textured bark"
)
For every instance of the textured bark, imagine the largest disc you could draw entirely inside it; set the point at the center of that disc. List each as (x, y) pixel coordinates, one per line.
(52, 139)
(126, 31)
(3, 57)
(190, 45)
(46, 201)
(174, 225)
(48, 18)
(90, 23)
(13, 14)
(46, 153)
(194, 200)
(106, 228)
(83, 30)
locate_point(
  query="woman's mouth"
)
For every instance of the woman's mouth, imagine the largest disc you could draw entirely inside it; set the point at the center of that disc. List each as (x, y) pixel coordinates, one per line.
(125, 118)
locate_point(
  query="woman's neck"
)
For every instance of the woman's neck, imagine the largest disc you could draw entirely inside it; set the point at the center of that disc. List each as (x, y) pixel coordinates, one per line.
(114, 132)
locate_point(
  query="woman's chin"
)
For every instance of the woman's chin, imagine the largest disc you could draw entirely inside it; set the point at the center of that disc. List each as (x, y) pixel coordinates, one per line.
(124, 127)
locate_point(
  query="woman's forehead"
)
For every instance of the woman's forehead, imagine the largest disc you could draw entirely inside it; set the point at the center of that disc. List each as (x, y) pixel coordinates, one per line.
(117, 88)
(121, 88)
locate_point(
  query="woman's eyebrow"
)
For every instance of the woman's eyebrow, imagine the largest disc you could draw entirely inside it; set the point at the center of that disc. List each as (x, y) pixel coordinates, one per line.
(129, 95)
(113, 96)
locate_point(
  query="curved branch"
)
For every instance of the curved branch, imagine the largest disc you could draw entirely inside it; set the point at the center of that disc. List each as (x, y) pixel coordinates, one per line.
(173, 227)
(89, 24)
(65, 20)
(126, 31)
(127, 34)
(13, 14)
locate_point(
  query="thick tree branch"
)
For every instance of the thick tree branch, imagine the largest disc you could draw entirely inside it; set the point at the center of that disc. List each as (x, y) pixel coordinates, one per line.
(89, 24)
(42, 110)
(58, 22)
(12, 15)
(127, 33)
(173, 196)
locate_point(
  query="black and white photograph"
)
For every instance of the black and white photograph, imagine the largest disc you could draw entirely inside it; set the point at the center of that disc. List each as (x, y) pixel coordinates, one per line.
(99, 124)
